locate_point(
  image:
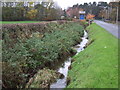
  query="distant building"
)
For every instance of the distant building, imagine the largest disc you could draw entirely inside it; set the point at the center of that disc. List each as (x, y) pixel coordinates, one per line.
(69, 12)
(73, 12)
(114, 4)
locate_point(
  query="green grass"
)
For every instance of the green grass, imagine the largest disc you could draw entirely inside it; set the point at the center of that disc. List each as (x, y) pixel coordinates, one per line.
(97, 65)
(14, 22)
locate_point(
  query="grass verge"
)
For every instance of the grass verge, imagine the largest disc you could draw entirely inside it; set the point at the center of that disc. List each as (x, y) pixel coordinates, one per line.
(97, 65)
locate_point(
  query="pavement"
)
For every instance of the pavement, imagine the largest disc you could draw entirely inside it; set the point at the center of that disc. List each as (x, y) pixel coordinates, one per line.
(112, 28)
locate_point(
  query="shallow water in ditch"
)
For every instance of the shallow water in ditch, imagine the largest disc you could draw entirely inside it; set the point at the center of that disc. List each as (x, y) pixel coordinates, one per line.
(61, 83)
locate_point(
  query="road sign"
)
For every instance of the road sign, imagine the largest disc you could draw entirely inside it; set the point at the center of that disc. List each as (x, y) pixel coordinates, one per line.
(82, 17)
(81, 12)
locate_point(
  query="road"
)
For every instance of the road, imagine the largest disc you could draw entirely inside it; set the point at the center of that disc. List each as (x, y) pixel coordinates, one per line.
(112, 28)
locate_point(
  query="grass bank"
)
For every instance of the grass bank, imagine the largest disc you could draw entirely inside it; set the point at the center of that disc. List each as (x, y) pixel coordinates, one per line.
(30, 47)
(97, 65)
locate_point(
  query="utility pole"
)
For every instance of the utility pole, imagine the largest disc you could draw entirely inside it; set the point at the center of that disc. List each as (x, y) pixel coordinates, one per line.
(108, 12)
(117, 16)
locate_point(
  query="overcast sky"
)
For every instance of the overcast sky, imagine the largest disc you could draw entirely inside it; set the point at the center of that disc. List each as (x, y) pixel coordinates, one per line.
(67, 3)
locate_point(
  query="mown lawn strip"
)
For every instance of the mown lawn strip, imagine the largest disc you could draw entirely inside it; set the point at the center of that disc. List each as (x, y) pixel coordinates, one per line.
(97, 65)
